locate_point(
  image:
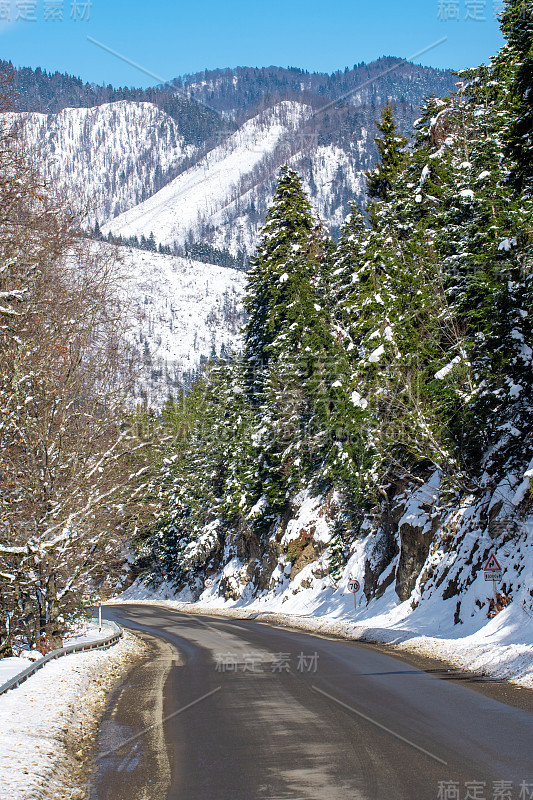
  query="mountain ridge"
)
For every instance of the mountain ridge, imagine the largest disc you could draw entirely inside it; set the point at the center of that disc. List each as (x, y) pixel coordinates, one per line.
(202, 112)
(252, 87)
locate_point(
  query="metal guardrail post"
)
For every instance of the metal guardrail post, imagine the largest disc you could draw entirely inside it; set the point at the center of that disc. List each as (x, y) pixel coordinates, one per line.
(100, 644)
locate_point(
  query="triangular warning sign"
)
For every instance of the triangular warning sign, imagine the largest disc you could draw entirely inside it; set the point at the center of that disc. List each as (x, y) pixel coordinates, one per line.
(492, 564)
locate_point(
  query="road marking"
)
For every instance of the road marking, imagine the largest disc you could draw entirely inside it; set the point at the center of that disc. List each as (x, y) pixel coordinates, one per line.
(379, 725)
(157, 724)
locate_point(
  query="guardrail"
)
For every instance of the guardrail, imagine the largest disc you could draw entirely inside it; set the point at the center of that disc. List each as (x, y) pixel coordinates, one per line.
(96, 644)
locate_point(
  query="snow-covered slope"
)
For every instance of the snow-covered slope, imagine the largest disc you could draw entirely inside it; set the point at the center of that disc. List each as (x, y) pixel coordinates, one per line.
(129, 164)
(200, 195)
(223, 198)
(113, 156)
(330, 176)
(440, 606)
(333, 175)
(182, 313)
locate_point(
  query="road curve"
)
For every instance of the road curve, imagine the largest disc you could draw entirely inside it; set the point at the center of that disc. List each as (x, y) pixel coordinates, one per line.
(254, 712)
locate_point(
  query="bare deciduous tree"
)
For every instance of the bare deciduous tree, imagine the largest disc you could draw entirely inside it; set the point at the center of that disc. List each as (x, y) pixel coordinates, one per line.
(69, 463)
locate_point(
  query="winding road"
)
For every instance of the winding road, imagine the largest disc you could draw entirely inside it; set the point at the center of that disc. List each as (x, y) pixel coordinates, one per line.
(232, 709)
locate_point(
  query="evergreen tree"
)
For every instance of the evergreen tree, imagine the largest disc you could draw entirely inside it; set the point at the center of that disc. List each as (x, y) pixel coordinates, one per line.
(189, 487)
(517, 27)
(347, 260)
(271, 281)
(391, 155)
(151, 243)
(290, 348)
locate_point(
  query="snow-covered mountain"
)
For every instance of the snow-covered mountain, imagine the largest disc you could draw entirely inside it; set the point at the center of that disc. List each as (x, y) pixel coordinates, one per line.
(242, 91)
(223, 198)
(211, 192)
(140, 170)
(182, 313)
(132, 143)
(116, 157)
(111, 157)
(119, 160)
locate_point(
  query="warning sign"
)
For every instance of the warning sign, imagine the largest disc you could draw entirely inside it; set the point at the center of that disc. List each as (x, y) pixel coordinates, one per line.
(492, 569)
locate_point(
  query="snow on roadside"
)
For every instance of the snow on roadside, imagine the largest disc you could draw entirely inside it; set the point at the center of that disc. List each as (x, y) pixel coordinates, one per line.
(9, 667)
(88, 633)
(49, 723)
(445, 616)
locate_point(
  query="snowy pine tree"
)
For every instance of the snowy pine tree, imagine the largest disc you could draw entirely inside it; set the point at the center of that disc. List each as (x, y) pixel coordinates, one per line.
(286, 231)
(517, 27)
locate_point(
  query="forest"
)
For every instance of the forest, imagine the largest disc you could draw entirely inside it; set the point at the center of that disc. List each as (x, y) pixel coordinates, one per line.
(372, 362)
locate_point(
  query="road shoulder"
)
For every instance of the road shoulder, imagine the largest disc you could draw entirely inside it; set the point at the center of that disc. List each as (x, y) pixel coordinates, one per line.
(131, 742)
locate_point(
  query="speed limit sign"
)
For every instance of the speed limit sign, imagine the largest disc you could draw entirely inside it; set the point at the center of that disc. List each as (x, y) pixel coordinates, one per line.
(208, 583)
(353, 587)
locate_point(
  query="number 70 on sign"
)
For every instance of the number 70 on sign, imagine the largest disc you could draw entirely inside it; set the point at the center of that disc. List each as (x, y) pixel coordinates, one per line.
(354, 586)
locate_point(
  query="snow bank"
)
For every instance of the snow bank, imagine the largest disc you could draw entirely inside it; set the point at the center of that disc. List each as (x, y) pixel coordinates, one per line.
(48, 724)
(9, 667)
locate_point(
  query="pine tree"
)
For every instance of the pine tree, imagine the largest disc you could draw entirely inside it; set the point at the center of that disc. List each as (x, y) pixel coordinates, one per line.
(290, 348)
(391, 155)
(347, 260)
(189, 487)
(482, 233)
(517, 27)
(286, 231)
(399, 324)
(151, 243)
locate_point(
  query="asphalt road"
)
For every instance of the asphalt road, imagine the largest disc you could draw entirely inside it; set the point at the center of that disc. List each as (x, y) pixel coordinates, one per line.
(231, 709)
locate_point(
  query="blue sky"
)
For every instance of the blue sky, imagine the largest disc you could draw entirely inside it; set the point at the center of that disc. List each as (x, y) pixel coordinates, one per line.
(173, 38)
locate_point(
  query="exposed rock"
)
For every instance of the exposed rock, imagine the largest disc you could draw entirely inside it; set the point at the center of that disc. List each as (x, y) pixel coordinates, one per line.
(307, 556)
(260, 554)
(378, 571)
(415, 543)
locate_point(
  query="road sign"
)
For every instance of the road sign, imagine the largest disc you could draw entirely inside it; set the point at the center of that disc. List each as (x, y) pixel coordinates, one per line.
(208, 583)
(354, 586)
(492, 569)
